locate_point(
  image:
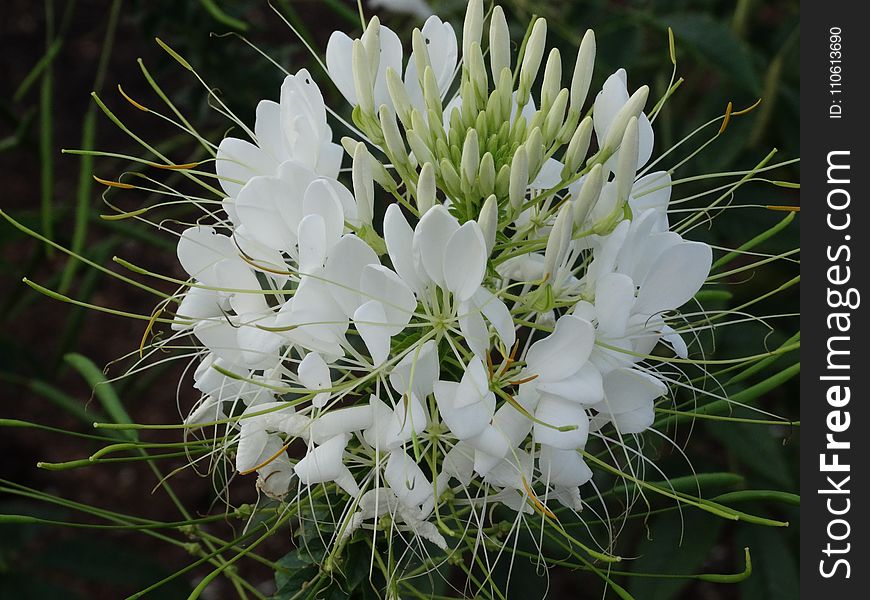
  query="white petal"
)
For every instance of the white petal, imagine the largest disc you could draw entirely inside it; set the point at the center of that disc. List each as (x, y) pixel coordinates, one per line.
(197, 304)
(467, 422)
(237, 161)
(564, 351)
(344, 269)
(556, 412)
(474, 386)
(614, 299)
(584, 387)
(473, 328)
(322, 463)
(675, 278)
(465, 260)
(564, 468)
(313, 373)
(498, 316)
(330, 423)
(200, 249)
(459, 463)
(339, 64)
(398, 235)
(381, 284)
(267, 130)
(371, 322)
(418, 369)
(250, 448)
(430, 242)
(312, 244)
(627, 389)
(322, 198)
(634, 421)
(406, 479)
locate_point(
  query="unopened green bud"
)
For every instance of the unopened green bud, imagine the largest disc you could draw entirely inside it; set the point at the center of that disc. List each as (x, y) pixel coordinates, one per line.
(583, 72)
(431, 93)
(488, 221)
(503, 181)
(552, 82)
(362, 79)
(559, 240)
(505, 92)
(395, 146)
(421, 53)
(418, 147)
(519, 178)
(499, 43)
(470, 156)
(399, 96)
(472, 28)
(532, 60)
(632, 108)
(371, 40)
(486, 175)
(555, 117)
(626, 164)
(379, 173)
(477, 71)
(535, 151)
(363, 184)
(577, 148)
(426, 188)
(587, 197)
(450, 178)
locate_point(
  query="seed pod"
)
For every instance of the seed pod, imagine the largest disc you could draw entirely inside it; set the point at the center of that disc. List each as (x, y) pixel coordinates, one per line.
(560, 237)
(426, 188)
(552, 82)
(626, 165)
(632, 108)
(486, 175)
(362, 79)
(488, 221)
(577, 148)
(532, 60)
(363, 184)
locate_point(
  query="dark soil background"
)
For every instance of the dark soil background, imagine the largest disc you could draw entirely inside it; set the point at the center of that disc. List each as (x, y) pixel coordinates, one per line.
(736, 51)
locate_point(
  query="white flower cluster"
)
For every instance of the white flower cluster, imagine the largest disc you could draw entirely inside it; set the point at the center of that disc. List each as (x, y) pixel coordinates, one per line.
(466, 341)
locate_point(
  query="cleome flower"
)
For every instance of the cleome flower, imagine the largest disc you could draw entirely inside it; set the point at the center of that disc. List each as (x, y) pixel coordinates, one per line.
(456, 348)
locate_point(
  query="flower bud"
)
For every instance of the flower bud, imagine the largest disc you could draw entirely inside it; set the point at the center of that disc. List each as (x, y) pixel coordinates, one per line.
(503, 181)
(519, 180)
(583, 71)
(505, 92)
(555, 117)
(499, 43)
(470, 157)
(488, 221)
(371, 40)
(431, 93)
(535, 151)
(362, 79)
(379, 173)
(363, 185)
(486, 175)
(452, 183)
(477, 71)
(577, 148)
(426, 188)
(421, 53)
(418, 147)
(560, 237)
(626, 165)
(532, 60)
(632, 108)
(552, 82)
(395, 146)
(588, 195)
(399, 96)
(472, 29)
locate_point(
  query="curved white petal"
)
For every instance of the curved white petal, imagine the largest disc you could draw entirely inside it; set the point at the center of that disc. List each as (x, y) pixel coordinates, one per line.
(627, 389)
(430, 241)
(418, 370)
(343, 272)
(675, 278)
(556, 412)
(465, 260)
(370, 320)
(323, 463)
(564, 351)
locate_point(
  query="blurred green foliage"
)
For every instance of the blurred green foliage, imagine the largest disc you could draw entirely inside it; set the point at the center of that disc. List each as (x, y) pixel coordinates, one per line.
(55, 52)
